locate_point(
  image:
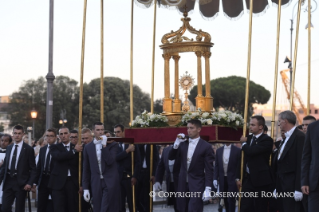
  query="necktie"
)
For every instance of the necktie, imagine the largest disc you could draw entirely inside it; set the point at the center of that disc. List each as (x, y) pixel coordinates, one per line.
(13, 161)
(47, 162)
(280, 146)
(67, 148)
(253, 141)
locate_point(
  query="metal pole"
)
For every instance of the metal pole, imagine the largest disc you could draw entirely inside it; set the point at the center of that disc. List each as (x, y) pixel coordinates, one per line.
(309, 55)
(276, 72)
(153, 58)
(102, 67)
(81, 95)
(295, 57)
(151, 172)
(246, 94)
(50, 76)
(33, 129)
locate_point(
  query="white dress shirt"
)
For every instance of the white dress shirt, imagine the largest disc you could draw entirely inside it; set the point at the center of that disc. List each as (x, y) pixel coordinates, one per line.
(144, 161)
(20, 144)
(257, 136)
(190, 152)
(226, 155)
(288, 135)
(171, 169)
(98, 148)
(68, 149)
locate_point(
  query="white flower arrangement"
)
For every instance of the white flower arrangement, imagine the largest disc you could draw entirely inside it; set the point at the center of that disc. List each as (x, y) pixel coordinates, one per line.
(225, 118)
(150, 120)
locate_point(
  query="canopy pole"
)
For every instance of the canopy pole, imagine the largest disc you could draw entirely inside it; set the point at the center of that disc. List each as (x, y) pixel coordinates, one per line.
(247, 93)
(276, 72)
(295, 58)
(102, 67)
(131, 95)
(153, 58)
(81, 96)
(309, 55)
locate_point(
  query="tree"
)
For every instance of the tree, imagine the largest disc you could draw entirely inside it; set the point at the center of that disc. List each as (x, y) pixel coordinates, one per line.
(116, 102)
(229, 93)
(32, 95)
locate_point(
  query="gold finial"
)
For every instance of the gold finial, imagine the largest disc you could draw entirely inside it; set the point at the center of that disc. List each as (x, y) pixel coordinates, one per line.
(185, 11)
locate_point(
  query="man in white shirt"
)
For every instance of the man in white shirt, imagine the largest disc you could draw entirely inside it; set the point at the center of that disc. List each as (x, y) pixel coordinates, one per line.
(196, 172)
(288, 163)
(17, 172)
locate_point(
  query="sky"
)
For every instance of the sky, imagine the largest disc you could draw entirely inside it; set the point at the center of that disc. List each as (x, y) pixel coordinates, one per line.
(24, 45)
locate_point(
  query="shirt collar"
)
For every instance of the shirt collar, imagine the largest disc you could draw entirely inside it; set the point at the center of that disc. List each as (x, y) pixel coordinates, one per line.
(257, 136)
(227, 147)
(19, 144)
(195, 140)
(289, 133)
(68, 145)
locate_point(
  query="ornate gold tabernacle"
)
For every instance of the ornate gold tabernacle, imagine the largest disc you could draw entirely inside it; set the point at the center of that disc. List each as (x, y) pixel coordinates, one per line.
(175, 43)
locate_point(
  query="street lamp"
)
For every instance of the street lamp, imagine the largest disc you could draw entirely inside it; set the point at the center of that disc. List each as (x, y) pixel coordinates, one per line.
(34, 115)
(63, 119)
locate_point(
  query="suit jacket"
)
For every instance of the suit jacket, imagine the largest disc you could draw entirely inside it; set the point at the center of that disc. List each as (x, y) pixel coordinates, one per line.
(199, 173)
(234, 160)
(124, 161)
(289, 164)
(163, 167)
(62, 161)
(26, 169)
(310, 157)
(91, 173)
(147, 154)
(257, 156)
(41, 166)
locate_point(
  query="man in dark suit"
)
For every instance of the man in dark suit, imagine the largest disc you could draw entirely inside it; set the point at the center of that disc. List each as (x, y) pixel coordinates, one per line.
(196, 173)
(143, 185)
(64, 174)
(227, 160)
(17, 172)
(100, 172)
(6, 140)
(124, 164)
(288, 164)
(310, 168)
(257, 175)
(171, 168)
(44, 168)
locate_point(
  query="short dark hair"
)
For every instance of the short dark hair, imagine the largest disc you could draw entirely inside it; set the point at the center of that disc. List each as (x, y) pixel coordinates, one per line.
(1, 134)
(260, 120)
(64, 127)
(289, 116)
(18, 127)
(7, 135)
(107, 131)
(195, 122)
(53, 130)
(309, 117)
(96, 123)
(120, 126)
(299, 127)
(265, 128)
(86, 130)
(73, 131)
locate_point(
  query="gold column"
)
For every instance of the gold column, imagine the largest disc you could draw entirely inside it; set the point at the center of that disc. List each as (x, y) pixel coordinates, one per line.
(167, 103)
(81, 97)
(177, 105)
(102, 68)
(200, 100)
(295, 57)
(309, 55)
(208, 98)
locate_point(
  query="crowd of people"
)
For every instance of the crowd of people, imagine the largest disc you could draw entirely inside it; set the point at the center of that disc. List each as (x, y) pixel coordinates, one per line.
(192, 166)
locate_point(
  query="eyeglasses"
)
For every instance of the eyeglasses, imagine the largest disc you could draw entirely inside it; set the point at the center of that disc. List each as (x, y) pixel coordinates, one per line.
(117, 131)
(73, 137)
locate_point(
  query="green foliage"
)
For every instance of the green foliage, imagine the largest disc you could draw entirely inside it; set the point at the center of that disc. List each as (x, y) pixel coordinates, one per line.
(229, 93)
(1, 127)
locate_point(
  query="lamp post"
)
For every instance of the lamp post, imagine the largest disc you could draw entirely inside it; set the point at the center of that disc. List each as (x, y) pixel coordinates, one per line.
(291, 30)
(34, 115)
(63, 119)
